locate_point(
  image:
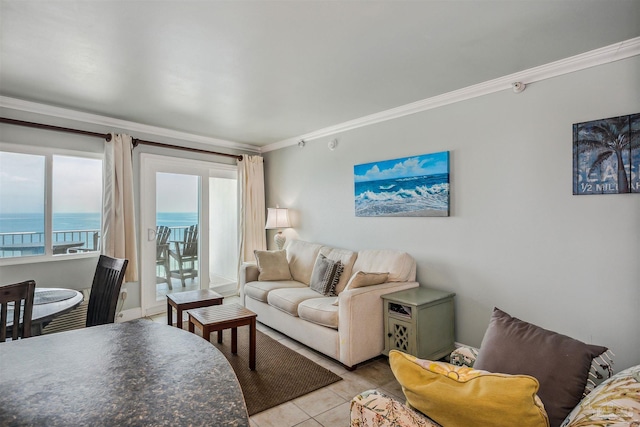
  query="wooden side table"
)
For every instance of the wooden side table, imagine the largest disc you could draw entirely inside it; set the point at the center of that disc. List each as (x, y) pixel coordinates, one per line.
(188, 300)
(419, 321)
(230, 316)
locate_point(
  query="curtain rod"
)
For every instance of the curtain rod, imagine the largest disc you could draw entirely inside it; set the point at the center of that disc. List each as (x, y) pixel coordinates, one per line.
(107, 136)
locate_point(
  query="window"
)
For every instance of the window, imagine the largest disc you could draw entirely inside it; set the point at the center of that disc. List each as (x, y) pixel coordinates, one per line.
(50, 203)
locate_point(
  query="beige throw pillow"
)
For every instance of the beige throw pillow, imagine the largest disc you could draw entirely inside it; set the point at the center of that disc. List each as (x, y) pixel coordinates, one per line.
(360, 279)
(272, 265)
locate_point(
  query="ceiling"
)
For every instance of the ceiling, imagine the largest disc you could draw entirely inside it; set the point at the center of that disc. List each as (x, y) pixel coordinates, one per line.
(260, 72)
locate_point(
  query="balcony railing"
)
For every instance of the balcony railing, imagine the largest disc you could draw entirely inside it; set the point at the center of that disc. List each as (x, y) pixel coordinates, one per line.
(33, 243)
(71, 241)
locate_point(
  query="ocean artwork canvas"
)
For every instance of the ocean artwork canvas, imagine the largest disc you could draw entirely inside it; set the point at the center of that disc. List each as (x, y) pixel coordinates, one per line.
(606, 156)
(409, 186)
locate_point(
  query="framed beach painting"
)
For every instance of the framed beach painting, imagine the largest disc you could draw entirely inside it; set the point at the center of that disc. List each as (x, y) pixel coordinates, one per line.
(606, 156)
(410, 186)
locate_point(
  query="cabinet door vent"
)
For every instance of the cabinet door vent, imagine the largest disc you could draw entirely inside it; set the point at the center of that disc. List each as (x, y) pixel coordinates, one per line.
(400, 337)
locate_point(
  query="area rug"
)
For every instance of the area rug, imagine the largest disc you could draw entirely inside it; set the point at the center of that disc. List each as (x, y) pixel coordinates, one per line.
(281, 374)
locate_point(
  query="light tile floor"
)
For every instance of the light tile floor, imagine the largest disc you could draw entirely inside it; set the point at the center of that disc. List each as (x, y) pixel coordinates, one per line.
(328, 406)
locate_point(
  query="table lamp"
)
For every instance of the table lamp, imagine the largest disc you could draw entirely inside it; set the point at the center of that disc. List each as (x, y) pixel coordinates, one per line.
(278, 218)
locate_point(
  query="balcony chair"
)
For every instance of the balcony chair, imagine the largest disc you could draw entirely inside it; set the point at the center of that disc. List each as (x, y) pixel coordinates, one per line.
(162, 254)
(105, 290)
(186, 255)
(21, 295)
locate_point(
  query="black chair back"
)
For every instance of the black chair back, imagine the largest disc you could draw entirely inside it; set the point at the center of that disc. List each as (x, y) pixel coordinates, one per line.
(21, 297)
(105, 290)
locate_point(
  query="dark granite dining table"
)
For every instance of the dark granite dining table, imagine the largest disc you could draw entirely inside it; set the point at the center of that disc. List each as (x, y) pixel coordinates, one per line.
(137, 373)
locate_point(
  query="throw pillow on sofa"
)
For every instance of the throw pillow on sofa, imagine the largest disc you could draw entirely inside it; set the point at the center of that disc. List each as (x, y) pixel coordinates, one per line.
(614, 403)
(360, 279)
(272, 265)
(455, 396)
(325, 276)
(561, 364)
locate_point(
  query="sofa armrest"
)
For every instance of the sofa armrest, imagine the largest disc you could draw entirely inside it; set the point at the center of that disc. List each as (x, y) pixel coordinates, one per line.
(374, 409)
(360, 321)
(248, 273)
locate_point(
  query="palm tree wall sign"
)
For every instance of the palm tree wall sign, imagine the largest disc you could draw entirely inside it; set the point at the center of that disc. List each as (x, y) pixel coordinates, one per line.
(606, 156)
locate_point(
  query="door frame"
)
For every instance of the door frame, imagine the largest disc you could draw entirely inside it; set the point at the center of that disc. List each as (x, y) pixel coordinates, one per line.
(150, 164)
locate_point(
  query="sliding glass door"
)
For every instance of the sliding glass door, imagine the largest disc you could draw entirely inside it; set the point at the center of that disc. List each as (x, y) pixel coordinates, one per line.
(188, 228)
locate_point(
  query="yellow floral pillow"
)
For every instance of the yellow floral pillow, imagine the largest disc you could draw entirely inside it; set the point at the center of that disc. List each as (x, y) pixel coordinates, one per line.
(456, 396)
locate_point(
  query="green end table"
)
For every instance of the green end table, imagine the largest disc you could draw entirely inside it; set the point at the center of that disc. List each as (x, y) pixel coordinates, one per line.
(419, 321)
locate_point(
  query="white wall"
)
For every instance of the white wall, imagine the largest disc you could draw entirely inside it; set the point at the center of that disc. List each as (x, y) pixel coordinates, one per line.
(517, 238)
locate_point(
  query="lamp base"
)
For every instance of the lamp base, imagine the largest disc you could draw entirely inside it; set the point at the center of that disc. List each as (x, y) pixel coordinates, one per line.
(280, 239)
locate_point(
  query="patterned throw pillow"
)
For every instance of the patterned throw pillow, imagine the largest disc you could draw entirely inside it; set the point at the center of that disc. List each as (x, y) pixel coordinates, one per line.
(325, 276)
(460, 396)
(614, 403)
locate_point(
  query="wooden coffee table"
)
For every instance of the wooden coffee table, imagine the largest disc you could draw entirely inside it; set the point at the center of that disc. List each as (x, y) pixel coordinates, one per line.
(228, 316)
(188, 300)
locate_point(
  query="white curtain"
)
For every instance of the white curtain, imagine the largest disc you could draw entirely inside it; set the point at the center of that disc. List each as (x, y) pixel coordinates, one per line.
(252, 207)
(118, 213)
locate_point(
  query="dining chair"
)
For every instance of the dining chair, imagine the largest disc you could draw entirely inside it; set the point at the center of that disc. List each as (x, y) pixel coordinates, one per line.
(186, 255)
(20, 296)
(105, 290)
(162, 254)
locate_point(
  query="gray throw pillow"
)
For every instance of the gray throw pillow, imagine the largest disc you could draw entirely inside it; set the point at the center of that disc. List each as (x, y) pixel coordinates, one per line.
(560, 364)
(272, 265)
(325, 276)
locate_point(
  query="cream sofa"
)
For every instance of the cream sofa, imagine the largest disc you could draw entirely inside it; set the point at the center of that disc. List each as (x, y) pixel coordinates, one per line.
(351, 331)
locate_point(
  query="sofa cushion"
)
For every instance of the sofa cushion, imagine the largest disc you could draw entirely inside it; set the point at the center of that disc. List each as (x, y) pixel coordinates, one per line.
(614, 403)
(347, 258)
(288, 299)
(560, 363)
(460, 396)
(320, 311)
(325, 276)
(272, 265)
(260, 290)
(302, 257)
(400, 265)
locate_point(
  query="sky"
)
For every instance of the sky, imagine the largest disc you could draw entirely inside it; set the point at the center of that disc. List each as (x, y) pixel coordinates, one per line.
(176, 192)
(426, 164)
(77, 186)
(77, 183)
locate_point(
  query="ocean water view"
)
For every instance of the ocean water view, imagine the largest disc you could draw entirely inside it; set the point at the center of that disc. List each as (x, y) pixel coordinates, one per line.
(34, 222)
(23, 233)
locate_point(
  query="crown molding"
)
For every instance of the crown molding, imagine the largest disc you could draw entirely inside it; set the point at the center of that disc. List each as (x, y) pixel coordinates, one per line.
(64, 113)
(604, 55)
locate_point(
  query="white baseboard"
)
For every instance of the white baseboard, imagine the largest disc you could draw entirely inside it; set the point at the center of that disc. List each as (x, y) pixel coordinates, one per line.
(226, 290)
(459, 344)
(126, 315)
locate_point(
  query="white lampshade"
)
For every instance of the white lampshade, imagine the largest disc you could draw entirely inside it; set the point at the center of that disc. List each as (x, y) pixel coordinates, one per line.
(277, 218)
